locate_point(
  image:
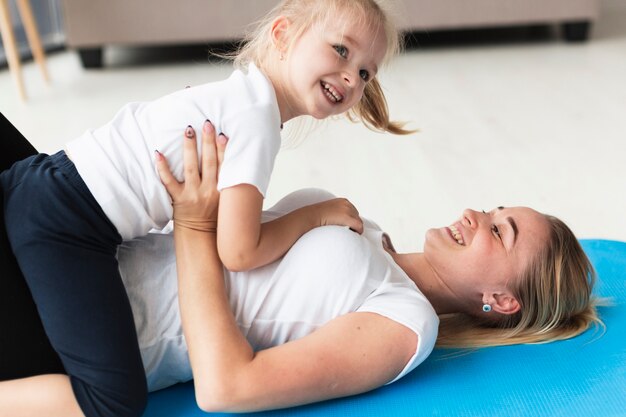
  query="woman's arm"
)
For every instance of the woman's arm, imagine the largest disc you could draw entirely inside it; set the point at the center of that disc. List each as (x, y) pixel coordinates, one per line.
(352, 354)
(245, 243)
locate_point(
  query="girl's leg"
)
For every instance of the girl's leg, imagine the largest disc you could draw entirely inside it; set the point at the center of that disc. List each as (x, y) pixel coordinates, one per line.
(66, 248)
(24, 346)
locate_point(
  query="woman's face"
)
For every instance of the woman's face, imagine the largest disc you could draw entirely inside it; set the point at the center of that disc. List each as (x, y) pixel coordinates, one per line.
(483, 251)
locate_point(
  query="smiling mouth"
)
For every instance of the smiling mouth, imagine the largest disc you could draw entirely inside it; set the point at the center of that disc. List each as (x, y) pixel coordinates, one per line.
(331, 93)
(456, 235)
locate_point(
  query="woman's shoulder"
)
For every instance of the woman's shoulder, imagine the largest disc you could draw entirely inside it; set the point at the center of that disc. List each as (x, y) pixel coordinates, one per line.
(399, 299)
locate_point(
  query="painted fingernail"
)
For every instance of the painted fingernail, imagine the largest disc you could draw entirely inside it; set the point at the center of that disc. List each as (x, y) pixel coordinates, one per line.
(158, 155)
(222, 139)
(207, 124)
(189, 132)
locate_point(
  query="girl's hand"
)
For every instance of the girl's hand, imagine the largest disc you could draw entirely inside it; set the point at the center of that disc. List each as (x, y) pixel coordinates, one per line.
(196, 199)
(338, 211)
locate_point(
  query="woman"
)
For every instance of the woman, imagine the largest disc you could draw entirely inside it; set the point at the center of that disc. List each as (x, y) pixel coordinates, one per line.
(512, 275)
(373, 323)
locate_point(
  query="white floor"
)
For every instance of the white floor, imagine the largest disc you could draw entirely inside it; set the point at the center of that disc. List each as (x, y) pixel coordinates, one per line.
(521, 123)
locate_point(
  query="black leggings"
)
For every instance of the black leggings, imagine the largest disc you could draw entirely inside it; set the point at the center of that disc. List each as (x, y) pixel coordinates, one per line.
(24, 347)
(65, 247)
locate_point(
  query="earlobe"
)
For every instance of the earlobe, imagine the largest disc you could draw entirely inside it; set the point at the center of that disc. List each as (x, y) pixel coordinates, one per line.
(279, 31)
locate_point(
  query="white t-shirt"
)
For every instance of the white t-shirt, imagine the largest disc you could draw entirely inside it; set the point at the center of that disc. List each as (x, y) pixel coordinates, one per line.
(330, 271)
(116, 161)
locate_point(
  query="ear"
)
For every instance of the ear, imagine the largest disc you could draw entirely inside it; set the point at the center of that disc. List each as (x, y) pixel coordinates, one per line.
(504, 303)
(279, 31)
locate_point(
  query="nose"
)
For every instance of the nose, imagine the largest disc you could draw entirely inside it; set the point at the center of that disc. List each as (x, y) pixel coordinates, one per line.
(348, 78)
(470, 218)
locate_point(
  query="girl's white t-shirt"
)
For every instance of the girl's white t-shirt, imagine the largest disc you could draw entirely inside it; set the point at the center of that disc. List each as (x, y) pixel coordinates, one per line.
(117, 160)
(329, 271)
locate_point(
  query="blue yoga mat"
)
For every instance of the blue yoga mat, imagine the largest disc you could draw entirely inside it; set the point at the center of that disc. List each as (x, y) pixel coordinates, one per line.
(584, 376)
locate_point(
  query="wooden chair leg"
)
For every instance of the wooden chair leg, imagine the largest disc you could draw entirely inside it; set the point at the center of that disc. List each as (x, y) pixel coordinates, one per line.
(10, 47)
(30, 26)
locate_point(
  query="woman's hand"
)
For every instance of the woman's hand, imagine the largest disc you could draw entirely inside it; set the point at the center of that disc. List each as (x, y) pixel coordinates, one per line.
(196, 199)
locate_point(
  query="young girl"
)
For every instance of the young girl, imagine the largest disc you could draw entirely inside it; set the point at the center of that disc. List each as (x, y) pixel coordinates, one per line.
(321, 58)
(67, 213)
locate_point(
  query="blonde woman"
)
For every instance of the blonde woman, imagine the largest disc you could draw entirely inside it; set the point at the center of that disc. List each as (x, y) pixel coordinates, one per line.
(340, 313)
(510, 275)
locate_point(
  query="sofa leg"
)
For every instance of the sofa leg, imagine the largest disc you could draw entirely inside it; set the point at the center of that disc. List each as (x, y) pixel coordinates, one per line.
(91, 57)
(576, 31)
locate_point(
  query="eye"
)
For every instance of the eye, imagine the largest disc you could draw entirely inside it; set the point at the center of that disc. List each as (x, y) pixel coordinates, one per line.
(364, 74)
(341, 50)
(496, 231)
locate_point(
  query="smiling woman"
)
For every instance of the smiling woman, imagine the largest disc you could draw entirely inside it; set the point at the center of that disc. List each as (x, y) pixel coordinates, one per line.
(460, 251)
(546, 276)
(534, 277)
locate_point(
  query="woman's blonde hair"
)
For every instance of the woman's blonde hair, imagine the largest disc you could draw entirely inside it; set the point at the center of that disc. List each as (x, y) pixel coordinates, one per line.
(554, 293)
(372, 109)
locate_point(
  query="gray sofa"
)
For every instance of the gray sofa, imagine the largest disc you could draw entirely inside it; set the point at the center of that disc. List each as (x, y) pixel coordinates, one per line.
(94, 24)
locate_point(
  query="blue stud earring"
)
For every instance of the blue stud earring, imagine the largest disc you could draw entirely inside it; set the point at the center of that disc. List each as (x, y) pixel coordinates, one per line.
(486, 308)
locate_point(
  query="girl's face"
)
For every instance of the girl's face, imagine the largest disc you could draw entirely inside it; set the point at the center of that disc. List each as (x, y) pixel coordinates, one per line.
(485, 251)
(328, 66)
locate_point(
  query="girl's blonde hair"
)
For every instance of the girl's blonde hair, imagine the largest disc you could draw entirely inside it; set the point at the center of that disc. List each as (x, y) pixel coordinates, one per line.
(372, 109)
(555, 297)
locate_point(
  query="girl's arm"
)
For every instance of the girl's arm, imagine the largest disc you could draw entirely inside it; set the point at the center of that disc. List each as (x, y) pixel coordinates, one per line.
(245, 243)
(352, 354)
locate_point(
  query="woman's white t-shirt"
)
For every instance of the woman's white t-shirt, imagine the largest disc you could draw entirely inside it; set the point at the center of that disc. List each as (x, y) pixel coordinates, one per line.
(329, 271)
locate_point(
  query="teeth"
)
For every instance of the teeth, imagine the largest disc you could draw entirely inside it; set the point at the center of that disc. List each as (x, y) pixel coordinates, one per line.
(331, 93)
(457, 235)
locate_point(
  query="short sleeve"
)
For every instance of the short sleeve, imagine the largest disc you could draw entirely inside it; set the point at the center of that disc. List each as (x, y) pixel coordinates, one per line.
(253, 129)
(403, 303)
(252, 148)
